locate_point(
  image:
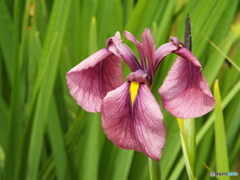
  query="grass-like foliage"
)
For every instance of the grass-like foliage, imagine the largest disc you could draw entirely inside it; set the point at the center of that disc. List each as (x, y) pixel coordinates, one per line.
(44, 134)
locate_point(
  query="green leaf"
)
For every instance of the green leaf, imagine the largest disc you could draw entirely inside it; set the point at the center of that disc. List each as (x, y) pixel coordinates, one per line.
(58, 146)
(220, 135)
(6, 39)
(229, 59)
(49, 59)
(91, 148)
(103, 17)
(188, 140)
(123, 164)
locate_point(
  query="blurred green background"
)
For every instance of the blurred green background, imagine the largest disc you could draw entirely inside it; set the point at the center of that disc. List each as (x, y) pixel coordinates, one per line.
(44, 134)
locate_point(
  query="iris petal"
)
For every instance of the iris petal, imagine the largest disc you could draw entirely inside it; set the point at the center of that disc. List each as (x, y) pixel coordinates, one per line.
(185, 92)
(149, 49)
(139, 46)
(163, 51)
(121, 50)
(184, 52)
(90, 80)
(139, 127)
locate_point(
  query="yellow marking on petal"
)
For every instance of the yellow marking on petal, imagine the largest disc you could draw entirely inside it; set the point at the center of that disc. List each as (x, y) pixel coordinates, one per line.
(134, 86)
(180, 45)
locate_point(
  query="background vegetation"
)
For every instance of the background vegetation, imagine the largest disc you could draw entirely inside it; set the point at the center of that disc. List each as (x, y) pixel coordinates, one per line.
(44, 134)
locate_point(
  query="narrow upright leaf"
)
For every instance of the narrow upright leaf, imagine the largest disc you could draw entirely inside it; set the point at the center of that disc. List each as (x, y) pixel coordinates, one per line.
(220, 135)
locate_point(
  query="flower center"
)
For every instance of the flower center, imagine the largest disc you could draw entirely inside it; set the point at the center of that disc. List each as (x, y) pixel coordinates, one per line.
(134, 86)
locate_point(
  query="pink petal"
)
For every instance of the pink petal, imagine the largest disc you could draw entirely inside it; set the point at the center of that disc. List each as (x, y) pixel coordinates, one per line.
(149, 48)
(132, 38)
(90, 80)
(185, 92)
(163, 51)
(139, 127)
(184, 52)
(121, 50)
(139, 76)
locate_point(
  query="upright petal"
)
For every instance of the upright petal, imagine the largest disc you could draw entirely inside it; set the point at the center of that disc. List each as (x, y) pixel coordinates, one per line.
(149, 49)
(185, 92)
(121, 50)
(163, 51)
(139, 46)
(132, 119)
(90, 80)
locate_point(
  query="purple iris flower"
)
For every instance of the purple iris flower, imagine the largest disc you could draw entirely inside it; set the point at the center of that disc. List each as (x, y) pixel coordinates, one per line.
(131, 116)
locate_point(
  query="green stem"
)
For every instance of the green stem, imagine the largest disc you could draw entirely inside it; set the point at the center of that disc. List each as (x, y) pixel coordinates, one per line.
(154, 169)
(188, 141)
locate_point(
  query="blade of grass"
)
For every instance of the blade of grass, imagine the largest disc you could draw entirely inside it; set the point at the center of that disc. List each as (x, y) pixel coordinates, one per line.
(173, 146)
(14, 133)
(133, 22)
(123, 164)
(57, 143)
(211, 73)
(220, 136)
(140, 161)
(88, 10)
(219, 50)
(34, 55)
(127, 9)
(26, 28)
(116, 19)
(103, 17)
(165, 24)
(209, 24)
(226, 22)
(235, 153)
(4, 116)
(50, 59)
(225, 102)
(40, 17)
(233, 129)
(71, 139)
(90, 150)
(152, 9)
(2, 159)
(93, 45)
(230, 76)
(7, 39)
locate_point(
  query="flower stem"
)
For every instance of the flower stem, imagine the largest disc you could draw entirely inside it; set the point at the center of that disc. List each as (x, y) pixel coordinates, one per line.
(188, 141)
(154, 169)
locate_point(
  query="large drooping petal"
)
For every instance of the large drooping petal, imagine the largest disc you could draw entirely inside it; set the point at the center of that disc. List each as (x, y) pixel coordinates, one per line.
(90, 80)
(132, 119)
(185, 92)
